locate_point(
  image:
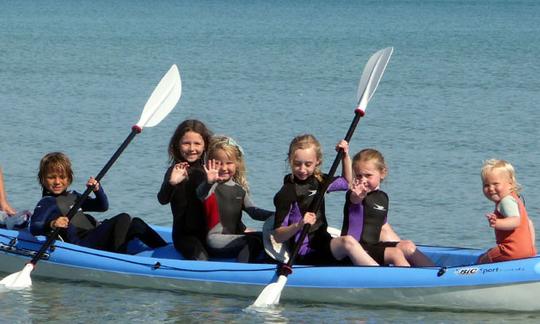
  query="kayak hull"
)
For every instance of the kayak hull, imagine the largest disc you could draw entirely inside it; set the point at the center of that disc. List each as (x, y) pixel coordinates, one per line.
(454, 284)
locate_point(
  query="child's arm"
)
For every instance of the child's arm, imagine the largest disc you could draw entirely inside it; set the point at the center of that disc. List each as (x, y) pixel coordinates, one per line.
(503, 224)
(255, 212)
(533, 233)
(45, 212)
(4, 205)
(346, 162)
(283, 233)
(165, 192)
(98, 204)
(509, 209)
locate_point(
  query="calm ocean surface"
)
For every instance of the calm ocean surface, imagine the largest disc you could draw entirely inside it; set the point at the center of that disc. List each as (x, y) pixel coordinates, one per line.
(461, 87)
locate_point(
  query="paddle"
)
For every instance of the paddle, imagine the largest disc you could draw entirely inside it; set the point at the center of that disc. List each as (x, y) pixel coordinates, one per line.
(162, 100)
(369, 81)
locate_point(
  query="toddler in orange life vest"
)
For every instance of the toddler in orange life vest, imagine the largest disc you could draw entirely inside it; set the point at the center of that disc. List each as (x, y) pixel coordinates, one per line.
(514, 231)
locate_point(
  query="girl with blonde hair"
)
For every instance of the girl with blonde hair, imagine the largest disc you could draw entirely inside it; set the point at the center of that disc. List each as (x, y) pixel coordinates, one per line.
(225, 196)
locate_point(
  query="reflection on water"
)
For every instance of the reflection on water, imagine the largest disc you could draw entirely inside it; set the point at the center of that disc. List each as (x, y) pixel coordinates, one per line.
(56, 301)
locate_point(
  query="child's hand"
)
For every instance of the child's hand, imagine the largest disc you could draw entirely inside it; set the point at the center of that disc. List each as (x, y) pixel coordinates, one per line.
(8, 209)
(61, 222)
(343, 145)
(212, 171)
(492, 219)
(358, 190)
(309, 218)
(179, 173)
(93, 182)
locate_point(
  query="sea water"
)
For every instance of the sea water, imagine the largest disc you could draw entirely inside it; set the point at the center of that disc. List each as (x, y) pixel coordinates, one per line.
(461, 87)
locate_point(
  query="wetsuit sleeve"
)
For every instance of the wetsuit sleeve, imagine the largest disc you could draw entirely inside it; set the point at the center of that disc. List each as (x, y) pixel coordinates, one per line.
(508, 207)
(338, 184)
(165, 193)
(204, 190)
(46, 211)
(98, 204)
(255, 212)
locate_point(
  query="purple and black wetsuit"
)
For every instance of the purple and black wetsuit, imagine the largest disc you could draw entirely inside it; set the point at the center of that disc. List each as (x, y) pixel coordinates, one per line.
(292, 202)
(364, 222)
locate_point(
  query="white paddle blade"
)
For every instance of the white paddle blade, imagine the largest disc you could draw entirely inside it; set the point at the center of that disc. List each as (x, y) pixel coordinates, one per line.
(271, 294)
(19, 280)
(163, 99)
(372, 75)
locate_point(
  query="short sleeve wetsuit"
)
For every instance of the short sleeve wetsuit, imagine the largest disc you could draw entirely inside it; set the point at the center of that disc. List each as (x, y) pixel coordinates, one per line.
(292, 201)
(365, 220)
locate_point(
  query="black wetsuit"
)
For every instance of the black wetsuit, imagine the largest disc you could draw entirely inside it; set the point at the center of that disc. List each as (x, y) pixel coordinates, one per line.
(110, 235)
(189, 226)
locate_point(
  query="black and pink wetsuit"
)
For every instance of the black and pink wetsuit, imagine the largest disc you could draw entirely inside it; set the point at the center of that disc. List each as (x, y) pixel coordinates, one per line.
(224, 203)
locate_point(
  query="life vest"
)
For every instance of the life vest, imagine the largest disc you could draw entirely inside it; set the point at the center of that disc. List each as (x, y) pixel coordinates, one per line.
(516, 243)
(80, 223)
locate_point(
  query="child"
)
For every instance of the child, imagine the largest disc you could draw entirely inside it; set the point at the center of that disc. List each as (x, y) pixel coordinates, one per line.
(186, 152)
(365, 215)
(225, 195)
(514, 231)
(55, 176)
(293, 202)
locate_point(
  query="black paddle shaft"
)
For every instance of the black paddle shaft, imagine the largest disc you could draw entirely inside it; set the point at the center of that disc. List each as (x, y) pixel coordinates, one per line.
(316, 204)
(134, 131)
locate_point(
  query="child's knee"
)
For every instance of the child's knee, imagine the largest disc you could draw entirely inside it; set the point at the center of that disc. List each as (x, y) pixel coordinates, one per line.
(349, 243)
(408, 247)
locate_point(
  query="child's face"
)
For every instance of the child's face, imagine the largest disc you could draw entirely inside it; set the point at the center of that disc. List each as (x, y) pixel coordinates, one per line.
(368, 175)
(191, 146)
(497, 184)
(56, 182)
(227, 166)
(304, 162)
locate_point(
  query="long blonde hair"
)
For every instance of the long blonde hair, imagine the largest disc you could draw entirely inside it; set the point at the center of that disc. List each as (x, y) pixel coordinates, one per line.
(233, 152)
(491, 164)
(302, 142)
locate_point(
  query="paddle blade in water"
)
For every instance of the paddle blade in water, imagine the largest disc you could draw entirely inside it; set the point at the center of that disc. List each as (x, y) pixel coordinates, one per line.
(163, 99)
(372, 75)
(19, 280)
(271, 294)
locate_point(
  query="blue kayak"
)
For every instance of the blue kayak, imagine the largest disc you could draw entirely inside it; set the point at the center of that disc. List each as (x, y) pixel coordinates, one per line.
(455, 283)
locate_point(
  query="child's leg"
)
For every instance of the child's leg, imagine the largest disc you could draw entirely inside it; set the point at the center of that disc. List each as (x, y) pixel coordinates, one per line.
(393, 255)
(413, 255)
(191, 247)
(139, 229)
(347, 246)
(484, 258)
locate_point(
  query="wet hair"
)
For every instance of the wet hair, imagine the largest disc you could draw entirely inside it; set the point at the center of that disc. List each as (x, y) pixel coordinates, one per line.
(306, 141)
(188, 125)
(234, 152)
(492, 164)
(370, 154)
(54, 162)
